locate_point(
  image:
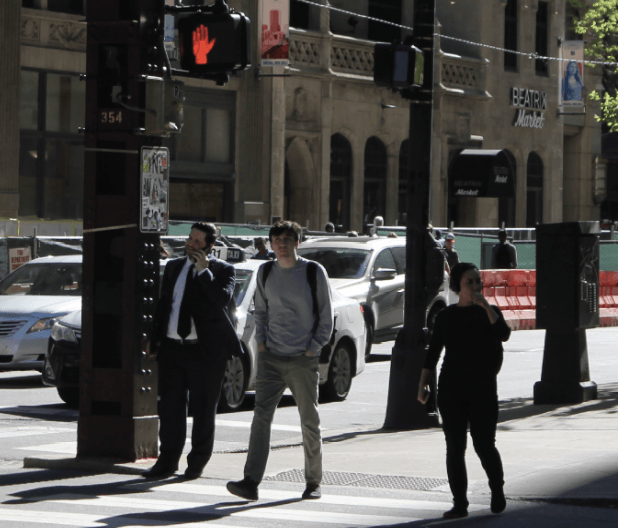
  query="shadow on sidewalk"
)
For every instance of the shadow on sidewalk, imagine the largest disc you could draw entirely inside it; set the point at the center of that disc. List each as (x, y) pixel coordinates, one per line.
(519, 408)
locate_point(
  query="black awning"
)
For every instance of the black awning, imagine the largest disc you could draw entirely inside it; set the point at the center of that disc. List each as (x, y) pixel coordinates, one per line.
(609, 146)
(481, 174)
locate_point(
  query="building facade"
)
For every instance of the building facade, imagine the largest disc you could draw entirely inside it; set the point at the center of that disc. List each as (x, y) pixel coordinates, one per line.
(319, 141)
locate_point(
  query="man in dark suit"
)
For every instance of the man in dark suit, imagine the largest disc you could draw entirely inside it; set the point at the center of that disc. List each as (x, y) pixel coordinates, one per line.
(193, 339)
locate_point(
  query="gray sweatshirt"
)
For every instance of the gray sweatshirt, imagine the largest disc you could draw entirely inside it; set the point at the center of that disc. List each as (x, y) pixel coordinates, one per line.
(284, 310)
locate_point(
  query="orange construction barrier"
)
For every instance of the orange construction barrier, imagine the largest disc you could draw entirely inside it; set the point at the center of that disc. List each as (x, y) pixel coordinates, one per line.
(514, 292)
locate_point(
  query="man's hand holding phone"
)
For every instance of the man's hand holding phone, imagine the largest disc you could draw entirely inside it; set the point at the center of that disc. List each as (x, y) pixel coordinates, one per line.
(199, 258)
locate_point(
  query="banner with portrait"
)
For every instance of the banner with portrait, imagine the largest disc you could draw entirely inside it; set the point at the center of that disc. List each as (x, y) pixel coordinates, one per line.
(572, 74)
(275, 38)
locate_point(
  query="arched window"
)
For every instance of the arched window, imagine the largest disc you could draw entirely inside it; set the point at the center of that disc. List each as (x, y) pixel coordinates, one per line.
(402, 202)
(374, 201)
(340, 181)
(534, 190)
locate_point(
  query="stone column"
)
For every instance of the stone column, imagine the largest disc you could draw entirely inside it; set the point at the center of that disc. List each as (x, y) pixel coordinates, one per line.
(10, 21)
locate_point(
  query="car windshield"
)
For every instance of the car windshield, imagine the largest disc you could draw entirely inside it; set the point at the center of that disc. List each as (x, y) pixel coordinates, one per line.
(44, 279)
(340, 263)
(243, 278)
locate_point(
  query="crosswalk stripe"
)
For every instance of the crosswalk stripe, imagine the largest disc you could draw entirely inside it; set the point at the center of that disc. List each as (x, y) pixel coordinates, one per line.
(327, 498)
(273, 513)
(46, 517)
(84, 520)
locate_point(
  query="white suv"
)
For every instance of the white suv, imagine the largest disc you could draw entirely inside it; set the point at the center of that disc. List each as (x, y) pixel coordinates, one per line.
(372, 271)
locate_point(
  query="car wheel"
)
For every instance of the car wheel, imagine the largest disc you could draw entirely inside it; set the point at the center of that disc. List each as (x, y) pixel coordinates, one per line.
(70, 396)
(337, 386)
(369, 335)
(235, 382)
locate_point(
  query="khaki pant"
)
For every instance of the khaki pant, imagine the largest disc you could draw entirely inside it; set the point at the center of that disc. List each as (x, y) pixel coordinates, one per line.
(301, 375)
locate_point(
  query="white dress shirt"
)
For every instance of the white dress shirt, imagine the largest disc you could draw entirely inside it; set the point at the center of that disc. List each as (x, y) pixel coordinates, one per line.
(179, 291)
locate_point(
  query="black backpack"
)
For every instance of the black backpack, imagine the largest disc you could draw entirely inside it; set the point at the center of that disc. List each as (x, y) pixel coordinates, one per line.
(312, 279)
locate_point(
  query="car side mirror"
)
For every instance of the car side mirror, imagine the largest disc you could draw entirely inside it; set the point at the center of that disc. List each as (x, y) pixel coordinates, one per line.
(385, 274)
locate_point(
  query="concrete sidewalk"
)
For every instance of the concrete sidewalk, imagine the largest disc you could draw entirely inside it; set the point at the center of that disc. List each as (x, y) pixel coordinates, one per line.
(555, 453)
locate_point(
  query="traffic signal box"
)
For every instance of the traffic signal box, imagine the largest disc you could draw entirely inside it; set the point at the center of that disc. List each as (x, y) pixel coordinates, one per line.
(567, 303)
(398, 66)
(211, 43)
(118, 381)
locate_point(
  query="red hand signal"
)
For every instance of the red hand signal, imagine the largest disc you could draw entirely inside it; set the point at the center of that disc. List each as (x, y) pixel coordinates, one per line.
(201, 45)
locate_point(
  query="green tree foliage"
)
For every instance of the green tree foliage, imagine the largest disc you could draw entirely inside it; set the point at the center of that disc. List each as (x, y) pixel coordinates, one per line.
(598, 24)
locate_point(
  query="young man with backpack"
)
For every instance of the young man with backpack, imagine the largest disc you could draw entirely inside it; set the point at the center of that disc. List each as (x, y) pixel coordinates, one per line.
(294, 321)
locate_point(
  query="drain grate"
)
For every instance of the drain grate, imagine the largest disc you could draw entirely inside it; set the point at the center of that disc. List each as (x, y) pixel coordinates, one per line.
(363, 480)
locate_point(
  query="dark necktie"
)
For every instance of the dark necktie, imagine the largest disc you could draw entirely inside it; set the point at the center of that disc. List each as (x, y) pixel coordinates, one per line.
(184, 317)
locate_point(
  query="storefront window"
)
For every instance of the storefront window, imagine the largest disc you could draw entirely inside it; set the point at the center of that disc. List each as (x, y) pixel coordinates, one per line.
(217, 135)
(64, 179)
(51, 168)
(189, 142)
(29, 100)
(203, 157)
(28, 160)
(66, 103)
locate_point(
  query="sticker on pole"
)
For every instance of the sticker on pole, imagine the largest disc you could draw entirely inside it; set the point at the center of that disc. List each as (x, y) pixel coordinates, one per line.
(155, 189)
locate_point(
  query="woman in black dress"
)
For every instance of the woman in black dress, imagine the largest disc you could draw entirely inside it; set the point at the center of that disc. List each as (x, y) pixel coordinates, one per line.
(472, 331)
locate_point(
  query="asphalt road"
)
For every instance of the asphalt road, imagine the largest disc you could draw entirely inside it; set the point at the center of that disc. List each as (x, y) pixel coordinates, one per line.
(34, 421)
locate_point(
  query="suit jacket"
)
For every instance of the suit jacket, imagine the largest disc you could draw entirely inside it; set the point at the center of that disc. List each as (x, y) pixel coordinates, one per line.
(211, 293)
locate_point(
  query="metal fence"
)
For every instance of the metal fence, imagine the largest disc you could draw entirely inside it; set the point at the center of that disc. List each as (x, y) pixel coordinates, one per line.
(474, 245)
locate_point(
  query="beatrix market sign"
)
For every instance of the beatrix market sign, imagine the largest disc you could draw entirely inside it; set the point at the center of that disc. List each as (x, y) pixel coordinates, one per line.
(530, 106)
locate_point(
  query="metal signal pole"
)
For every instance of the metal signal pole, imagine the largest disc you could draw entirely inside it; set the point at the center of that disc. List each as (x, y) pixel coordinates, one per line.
(404, 411)
(118, 387)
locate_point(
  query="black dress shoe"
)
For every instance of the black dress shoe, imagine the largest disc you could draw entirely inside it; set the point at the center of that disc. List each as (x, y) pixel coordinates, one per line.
(456, 512)
(192, 473)
(160, 471)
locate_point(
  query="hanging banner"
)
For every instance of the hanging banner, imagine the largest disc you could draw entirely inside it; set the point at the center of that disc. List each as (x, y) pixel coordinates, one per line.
(572, 74)
(155, 189)
(275, 41)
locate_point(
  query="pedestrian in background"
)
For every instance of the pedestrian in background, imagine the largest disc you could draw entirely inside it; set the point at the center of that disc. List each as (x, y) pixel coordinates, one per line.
(329, 227)
(263, 252)
(192, 339)
(294, 320)
(452, 257)
(503, 254)
(472, 332)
